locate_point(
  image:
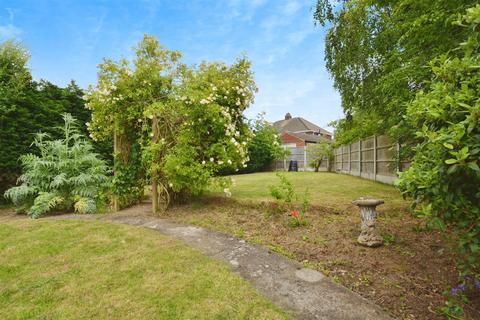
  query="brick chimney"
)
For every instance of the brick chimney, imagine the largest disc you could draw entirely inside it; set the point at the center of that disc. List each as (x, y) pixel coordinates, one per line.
(288, 116)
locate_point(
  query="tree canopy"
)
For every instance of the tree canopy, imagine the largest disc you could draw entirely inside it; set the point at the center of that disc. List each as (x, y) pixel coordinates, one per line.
(175, 126)
(27, 107)
(378, 52)
(444, 177)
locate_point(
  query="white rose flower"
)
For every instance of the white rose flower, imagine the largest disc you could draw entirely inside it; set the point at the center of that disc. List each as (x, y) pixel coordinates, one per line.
(227, 192)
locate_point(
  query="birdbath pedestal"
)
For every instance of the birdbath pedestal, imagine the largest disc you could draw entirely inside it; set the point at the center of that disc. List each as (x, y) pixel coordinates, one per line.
(368, 236)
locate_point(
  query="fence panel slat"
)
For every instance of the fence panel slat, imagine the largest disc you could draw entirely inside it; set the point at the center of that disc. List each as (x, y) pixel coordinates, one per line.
(371, 158)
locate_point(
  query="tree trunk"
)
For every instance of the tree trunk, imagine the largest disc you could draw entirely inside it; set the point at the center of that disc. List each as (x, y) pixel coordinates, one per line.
(154, 173)
(116, 151)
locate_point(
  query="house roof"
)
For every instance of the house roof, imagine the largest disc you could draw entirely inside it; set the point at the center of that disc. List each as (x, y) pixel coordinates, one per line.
(298, 124)
(306, 137)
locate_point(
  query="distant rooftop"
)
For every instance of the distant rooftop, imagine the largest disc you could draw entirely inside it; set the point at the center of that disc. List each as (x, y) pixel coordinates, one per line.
(298, 124)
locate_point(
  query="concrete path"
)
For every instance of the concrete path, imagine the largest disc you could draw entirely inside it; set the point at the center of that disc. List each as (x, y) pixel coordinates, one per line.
(302, 292)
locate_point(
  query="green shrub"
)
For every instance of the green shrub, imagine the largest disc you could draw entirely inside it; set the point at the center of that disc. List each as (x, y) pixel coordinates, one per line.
(320, 152)
(286, 201)
(264, 148)
(283, 193)
(444, 177)
(66, 175)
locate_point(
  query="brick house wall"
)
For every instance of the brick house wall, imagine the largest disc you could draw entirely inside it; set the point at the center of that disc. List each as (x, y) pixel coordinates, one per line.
(287, 138)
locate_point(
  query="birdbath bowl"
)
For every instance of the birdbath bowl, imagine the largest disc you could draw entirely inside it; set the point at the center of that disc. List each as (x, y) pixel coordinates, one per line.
(368, 236)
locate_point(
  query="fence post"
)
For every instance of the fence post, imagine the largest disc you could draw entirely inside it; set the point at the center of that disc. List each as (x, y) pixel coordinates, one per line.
(305, 158)
(116, 156)
(360, 157)
(350, 158)
(375, 157)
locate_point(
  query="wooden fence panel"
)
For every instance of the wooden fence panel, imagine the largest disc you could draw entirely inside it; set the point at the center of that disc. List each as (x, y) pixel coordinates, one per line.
(373, 158)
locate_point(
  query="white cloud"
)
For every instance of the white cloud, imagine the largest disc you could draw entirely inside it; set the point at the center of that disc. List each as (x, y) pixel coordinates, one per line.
(9, 31)
(244, 10)
(291, 8)
(11, 14)
(297, 37)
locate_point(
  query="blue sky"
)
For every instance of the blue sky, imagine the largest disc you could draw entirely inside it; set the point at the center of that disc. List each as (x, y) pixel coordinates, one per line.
(67, 39)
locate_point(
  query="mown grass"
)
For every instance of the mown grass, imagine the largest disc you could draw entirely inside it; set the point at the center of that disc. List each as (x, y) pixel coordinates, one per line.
(96, 270)
(325, 189)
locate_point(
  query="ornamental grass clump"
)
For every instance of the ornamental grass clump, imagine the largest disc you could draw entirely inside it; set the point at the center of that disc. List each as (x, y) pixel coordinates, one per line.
(64, 174)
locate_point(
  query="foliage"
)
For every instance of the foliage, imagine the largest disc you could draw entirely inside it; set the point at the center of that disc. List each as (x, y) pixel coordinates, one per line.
(28, 106)
(376, 52)
(66, 174)
(264, 148)
(186, 122)
(284, 193)
(458, 297)
(319, 152)
(14, 74)
(286, 200)
(297, 217)
(444, 176)
(214, 135)
(124, 92)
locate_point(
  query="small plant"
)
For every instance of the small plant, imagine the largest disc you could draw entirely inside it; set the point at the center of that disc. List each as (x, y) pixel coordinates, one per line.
(297, 218)
(388, 238)
(66, 175)
(286, 197)
(284, 194)
(457, 297)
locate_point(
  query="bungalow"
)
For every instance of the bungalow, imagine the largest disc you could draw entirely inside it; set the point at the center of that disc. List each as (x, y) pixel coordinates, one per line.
(298, 132)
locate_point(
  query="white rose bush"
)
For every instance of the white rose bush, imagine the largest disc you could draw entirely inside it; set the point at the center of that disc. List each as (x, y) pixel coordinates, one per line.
(172, 125)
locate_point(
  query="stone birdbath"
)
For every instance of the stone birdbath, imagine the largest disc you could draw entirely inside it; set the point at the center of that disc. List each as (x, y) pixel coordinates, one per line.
(368, 236)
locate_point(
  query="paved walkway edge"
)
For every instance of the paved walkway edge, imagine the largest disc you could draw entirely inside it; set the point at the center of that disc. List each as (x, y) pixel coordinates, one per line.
(302, 292)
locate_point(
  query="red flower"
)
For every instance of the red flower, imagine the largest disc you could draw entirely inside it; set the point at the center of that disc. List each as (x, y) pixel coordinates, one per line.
(294, 213)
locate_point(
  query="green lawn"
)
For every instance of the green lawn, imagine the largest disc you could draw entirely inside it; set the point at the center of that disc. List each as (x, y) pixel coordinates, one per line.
(325, 189)
(96, 270)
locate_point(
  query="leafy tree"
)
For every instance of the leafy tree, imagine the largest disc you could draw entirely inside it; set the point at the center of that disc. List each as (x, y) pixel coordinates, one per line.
(184, 123)
(66, 174)
(27, 107)
(444, 177)
(377, 52)
(122, 103)
(264, 148)
(319, 152)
